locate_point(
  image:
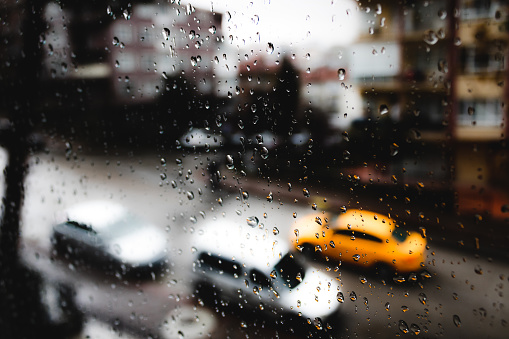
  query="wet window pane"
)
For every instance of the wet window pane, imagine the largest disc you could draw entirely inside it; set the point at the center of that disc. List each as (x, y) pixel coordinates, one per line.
(254, 169)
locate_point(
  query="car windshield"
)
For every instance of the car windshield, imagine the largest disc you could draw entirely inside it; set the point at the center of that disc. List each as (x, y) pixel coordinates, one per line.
(290, 271)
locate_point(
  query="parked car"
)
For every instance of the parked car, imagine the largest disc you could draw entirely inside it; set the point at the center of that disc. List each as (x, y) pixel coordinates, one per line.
(251, 268)
(106, 236)
(359, 237)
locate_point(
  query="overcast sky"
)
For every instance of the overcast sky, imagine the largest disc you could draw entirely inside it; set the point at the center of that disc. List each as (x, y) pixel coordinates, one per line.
(287, 23)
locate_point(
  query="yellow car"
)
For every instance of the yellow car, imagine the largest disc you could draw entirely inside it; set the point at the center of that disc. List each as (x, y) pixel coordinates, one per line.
(361, 237)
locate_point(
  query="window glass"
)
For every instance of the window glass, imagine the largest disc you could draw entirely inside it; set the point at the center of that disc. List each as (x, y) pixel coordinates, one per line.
(247, 145)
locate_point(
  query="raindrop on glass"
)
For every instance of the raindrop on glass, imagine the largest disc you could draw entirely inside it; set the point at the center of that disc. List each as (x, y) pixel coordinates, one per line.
(270, 48)
(252, 221)
(229, 162)
(353, 296)
(264, 153)
(166, 33)
(403, 327)
(245, 195)
(456, 320)
(423, 298)
(306, 193)
(430, 37)
(341, 74)
(415, 329)
(384, 109)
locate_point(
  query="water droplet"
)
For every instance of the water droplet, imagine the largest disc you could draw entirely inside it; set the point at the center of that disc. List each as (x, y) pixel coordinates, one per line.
(273, 274)
(456, 320)
(252, 221)
(442, 14)
(212, 29)
(404, 308)
(345, 135)
(471, 110)
(194, 61)
(423, 298)
(245, 195)
(190, 195)
(229, 162)
(270, 48)
(318, 323)
(341, 74)
(340, 297)
(166, 33)
(363, 279)
(306, 193)
(356, 257)
(314, 206)
(415, 329)
(289, 187)
(275, 230)
(115, 41)
(443, 66)
(318, 220)
(478, 270)
(353, 296)
(430, 37)
(270, 197)
(384, 109)
(403, 327)
(264, 153)
(296, 231)
(394, 149)
(366, 303)
(387, 306)
(173, 184)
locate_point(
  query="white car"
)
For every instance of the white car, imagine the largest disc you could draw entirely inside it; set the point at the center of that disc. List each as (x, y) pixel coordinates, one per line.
(250, 267)
(105, 235)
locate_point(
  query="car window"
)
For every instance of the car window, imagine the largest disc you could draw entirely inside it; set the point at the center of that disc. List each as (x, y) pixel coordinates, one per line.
(290, 271)
(260, 278)
(358, 235)
(220, 264)
(81, 226)
(399, 234)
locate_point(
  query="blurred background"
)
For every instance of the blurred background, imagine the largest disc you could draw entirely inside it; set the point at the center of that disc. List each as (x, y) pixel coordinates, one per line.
(399, 106)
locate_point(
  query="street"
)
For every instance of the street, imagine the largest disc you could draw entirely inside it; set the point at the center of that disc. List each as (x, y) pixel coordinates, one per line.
(463, 296)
